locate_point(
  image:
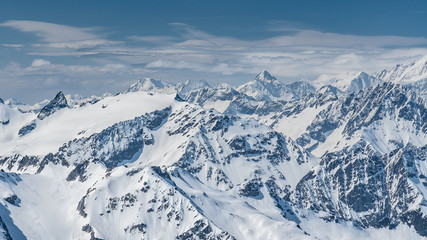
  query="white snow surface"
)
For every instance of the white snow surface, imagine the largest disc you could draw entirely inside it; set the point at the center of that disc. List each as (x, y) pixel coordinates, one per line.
(295, 125)
(67, 124)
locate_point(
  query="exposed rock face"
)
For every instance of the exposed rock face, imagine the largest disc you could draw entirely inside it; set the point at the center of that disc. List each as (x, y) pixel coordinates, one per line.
(27, 128)
(359, 185)
(355, 112)
(56, 104)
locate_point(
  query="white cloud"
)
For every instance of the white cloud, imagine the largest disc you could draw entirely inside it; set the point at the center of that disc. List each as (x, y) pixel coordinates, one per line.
(40, 63)
(298, 53)
(13, 45)
(51, 32)
(290, 55)
(316, 38)
(153, 39)
(78, 44)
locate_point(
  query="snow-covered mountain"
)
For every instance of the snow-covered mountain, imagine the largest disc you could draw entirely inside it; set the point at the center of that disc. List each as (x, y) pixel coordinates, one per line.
(406, 73)
(413, 75)
(265, 160)
(362, 82)
(21, 106)
(191, 85)
(266, 87)
(150, 84)
(301, 88)
(175, 188)
(349, 82)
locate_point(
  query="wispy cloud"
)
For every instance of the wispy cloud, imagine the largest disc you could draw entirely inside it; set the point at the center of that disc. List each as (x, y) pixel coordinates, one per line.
(292, 53)
(316, 38)
(154, 39)
(13, 45)
(51, 32)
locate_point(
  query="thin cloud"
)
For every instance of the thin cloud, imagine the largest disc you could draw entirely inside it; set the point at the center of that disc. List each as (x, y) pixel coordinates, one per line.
(291, 54)
(50, 32)
(83, 44)
(316, 38)
(13, 45)
(40, 63)
(154, 39)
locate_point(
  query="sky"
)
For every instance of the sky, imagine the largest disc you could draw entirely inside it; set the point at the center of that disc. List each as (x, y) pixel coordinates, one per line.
(91, 47)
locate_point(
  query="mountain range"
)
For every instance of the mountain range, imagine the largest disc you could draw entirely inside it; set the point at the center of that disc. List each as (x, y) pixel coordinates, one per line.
(264, 160)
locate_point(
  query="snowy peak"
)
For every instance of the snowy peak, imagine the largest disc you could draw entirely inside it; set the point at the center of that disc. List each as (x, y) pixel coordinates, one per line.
(146, 84)
(362, 82)
(13, 102)
(266, 88)
(329, 89)
(406, 73)
(301, 88)
(412, 75)
(265, 76)
(218, 97)
(56, 104)
(191, 85)
(23, 107)
(223, 86)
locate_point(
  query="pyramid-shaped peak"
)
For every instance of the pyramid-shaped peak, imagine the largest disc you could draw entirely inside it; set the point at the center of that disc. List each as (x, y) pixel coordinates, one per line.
(59, 96)
(265, 76)
(54, 105)
(59, 100)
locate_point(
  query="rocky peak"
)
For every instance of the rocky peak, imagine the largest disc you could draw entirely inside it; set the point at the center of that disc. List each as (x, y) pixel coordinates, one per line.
(56, 104)
(265, 76)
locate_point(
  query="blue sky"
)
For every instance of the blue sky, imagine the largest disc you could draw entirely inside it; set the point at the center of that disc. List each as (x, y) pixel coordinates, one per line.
(90, 47)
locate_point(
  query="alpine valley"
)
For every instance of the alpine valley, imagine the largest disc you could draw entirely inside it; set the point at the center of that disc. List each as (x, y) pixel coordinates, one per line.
(264, 160)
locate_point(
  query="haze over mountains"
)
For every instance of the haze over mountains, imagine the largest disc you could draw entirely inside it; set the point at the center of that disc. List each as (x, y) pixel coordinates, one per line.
(264, 160)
